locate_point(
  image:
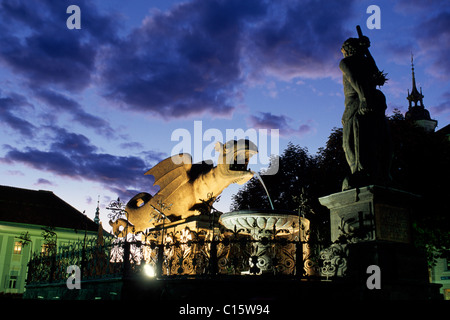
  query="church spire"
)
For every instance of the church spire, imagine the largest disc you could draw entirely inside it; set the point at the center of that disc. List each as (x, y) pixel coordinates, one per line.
(97, 212)
(414, 96)
(417, 113)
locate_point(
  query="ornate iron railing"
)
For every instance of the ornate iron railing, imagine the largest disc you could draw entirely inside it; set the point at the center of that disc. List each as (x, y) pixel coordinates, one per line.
(90, 256)
(182, 253)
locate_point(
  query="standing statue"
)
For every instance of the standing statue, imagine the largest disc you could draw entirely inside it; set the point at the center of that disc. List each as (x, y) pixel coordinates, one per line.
(366, 137)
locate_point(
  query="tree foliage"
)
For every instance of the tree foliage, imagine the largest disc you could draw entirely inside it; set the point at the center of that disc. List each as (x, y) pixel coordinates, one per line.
(294, 174)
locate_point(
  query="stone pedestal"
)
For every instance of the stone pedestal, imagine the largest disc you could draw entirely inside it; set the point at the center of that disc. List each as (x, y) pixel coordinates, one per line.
(370, 213)
(372, 226)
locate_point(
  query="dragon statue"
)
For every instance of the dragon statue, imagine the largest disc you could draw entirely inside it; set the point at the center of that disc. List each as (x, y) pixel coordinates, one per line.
(187, 189)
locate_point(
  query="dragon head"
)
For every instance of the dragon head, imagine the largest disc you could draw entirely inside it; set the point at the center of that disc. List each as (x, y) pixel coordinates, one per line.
(233, 159)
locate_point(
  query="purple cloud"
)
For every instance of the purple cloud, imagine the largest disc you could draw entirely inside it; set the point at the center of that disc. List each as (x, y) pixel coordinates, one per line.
(9, 105)
(433, 35)
(61, 103)
(198, 57)
(43, 182)
(36, 43)
(433, 38)
(266, 120)
(131, 145)
(72, 155)
(299, 39)
(184, 62)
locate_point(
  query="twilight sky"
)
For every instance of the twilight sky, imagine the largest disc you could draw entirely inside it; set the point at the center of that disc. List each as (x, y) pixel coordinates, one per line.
(85, 113)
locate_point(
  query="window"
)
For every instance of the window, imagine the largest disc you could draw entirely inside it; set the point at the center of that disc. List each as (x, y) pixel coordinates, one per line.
(446, 294)
(17, 247)
(45, 248)
(48, 248)
(13, 279)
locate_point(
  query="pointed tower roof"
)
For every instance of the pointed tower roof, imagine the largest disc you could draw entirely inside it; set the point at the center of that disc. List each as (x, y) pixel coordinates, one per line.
(97, 212)
(414, 96)
(416, 111)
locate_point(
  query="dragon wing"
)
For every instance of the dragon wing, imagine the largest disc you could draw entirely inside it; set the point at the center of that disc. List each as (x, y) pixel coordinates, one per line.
(171, 173)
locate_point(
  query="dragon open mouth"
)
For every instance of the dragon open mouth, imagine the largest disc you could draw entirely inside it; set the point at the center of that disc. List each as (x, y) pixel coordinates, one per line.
(239, 153)
(240, 161)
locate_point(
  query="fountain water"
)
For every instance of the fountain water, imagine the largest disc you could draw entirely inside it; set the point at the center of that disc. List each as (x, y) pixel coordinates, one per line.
(264, 186)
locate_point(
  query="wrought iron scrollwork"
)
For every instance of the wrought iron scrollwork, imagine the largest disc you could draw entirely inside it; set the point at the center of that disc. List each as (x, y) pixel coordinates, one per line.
(334, 260)
(182, 253)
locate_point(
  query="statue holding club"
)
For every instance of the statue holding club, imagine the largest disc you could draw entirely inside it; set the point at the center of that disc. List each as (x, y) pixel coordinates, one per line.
(366, 137)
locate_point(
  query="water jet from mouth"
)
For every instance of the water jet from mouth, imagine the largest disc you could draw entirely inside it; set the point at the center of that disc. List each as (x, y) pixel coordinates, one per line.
(264, 186)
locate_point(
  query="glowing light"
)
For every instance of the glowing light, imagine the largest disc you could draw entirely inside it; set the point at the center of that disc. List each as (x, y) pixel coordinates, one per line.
(149, 271)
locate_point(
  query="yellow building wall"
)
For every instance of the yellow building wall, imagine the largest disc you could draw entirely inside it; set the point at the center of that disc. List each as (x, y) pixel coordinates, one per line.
(13, 266)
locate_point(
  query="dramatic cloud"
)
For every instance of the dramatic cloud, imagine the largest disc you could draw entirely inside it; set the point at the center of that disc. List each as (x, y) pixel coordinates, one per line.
(200, 56)
(434, 38)
(184, 62)
(36, 43)
(299, 39)
(42, 53)
(266, 120)
(72, 155)
(196, 58)
(9, 106)
(432, 34)
(62, 103)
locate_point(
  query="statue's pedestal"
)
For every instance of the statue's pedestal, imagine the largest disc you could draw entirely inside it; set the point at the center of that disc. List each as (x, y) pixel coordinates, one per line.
(371, 213)
(371, 226)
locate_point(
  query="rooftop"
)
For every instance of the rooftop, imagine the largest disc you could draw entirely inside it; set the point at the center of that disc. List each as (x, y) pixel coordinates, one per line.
(41, 207)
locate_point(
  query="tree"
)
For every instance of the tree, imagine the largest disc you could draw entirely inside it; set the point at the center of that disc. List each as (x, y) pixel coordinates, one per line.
(294, 173)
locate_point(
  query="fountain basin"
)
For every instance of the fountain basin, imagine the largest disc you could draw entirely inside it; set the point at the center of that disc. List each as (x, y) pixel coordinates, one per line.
(258, 220)
(260, 224)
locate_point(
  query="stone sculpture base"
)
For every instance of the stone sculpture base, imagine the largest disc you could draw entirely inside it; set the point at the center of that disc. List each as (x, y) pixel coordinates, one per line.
(371, 226)
(371, 213)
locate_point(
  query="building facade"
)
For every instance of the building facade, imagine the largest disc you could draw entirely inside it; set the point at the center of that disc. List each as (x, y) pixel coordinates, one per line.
(34, 222)
(440, 273)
